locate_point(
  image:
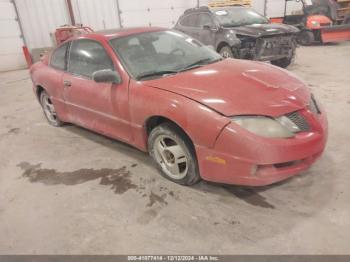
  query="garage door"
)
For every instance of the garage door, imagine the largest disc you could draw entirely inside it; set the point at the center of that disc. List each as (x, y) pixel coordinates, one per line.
(97, 14)
(163, 13)
(40, 18)
(11, 43)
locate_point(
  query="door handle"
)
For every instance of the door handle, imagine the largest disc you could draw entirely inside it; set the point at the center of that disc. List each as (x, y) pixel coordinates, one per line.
(67, 83)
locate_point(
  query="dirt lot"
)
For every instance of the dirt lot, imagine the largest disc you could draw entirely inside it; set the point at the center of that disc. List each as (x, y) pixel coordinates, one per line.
(68, 190)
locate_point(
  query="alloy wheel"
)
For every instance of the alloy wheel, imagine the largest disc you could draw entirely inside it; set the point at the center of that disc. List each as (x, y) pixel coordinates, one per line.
(171, 157)
(49, 109)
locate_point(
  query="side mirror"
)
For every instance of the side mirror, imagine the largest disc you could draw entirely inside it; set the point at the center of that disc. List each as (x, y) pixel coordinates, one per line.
(209, 27)
(106, 76)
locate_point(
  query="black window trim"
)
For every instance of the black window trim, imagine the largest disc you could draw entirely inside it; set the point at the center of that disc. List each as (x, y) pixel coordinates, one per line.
(125, 68)
(91, 40)
(65, 56)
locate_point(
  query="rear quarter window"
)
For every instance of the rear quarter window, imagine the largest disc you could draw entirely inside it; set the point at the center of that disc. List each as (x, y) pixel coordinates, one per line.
(190, 20)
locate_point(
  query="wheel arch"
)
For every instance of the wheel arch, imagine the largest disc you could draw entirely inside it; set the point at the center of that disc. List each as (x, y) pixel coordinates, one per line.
(38, 90)
(185, 113)
(156, 120)
(221, 45)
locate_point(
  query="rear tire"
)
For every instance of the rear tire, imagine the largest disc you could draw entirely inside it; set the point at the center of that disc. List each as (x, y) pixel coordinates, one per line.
(49, 110)
(306, 38)
(174, 154)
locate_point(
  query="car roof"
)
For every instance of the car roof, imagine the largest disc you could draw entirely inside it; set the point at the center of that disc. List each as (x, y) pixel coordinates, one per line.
(206, 9)
(120, 32)
(229, 7)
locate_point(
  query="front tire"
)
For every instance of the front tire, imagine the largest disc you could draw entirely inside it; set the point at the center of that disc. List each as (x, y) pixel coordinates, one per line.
(306, 38)
(49, 110)
(174, 154)
(226, 52)
(283, 62)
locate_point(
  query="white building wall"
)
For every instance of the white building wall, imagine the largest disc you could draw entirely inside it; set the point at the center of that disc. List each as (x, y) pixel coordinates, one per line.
(39, 20)
(163, 13)
(275, 8)
(98, 14)
(11, 43)
(259, 6)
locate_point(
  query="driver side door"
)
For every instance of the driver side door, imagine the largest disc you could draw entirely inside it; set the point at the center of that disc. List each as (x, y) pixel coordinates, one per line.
(102, 107)
(206, 29)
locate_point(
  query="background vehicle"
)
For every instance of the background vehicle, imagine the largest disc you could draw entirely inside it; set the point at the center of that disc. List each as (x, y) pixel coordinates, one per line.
(319, 21)
(240, 32)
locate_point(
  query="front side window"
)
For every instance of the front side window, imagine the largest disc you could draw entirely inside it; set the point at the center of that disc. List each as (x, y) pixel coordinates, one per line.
(87, 57)
(165, 51)
(239, 16)
(205, 19)
(59, 57)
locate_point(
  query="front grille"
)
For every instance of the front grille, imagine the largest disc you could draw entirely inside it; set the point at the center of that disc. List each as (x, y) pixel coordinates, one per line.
(274, 46)
(287, 164)
(299, 121)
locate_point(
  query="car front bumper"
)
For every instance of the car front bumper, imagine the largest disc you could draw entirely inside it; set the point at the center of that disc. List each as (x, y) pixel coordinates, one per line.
(242, 158)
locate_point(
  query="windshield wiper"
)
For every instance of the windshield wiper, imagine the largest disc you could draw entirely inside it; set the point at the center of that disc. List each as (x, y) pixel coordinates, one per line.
(197, 64)
(200, 63)
(156, 73)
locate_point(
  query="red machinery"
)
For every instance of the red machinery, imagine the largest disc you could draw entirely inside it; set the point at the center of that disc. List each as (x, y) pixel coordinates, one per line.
(61, 34)
(67, 31)
(318, 21)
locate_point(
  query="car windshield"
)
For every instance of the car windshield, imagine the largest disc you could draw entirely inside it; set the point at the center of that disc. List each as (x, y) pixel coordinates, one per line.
(162, 53)
(239, 16)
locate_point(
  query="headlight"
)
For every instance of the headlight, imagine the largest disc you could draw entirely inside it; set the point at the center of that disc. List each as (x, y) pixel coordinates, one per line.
(281, 127)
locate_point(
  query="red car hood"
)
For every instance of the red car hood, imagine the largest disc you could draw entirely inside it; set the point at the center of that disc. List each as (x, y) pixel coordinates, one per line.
(239, 87)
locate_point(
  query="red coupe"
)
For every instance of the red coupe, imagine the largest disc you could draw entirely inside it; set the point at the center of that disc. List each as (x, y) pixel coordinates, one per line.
(197, 114)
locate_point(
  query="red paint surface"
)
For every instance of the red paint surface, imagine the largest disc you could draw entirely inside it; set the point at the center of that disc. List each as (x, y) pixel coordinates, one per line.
(335, 35)
(27, 56)
(276, 20)
(200, 101)
(320, 19)
(64, 33)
